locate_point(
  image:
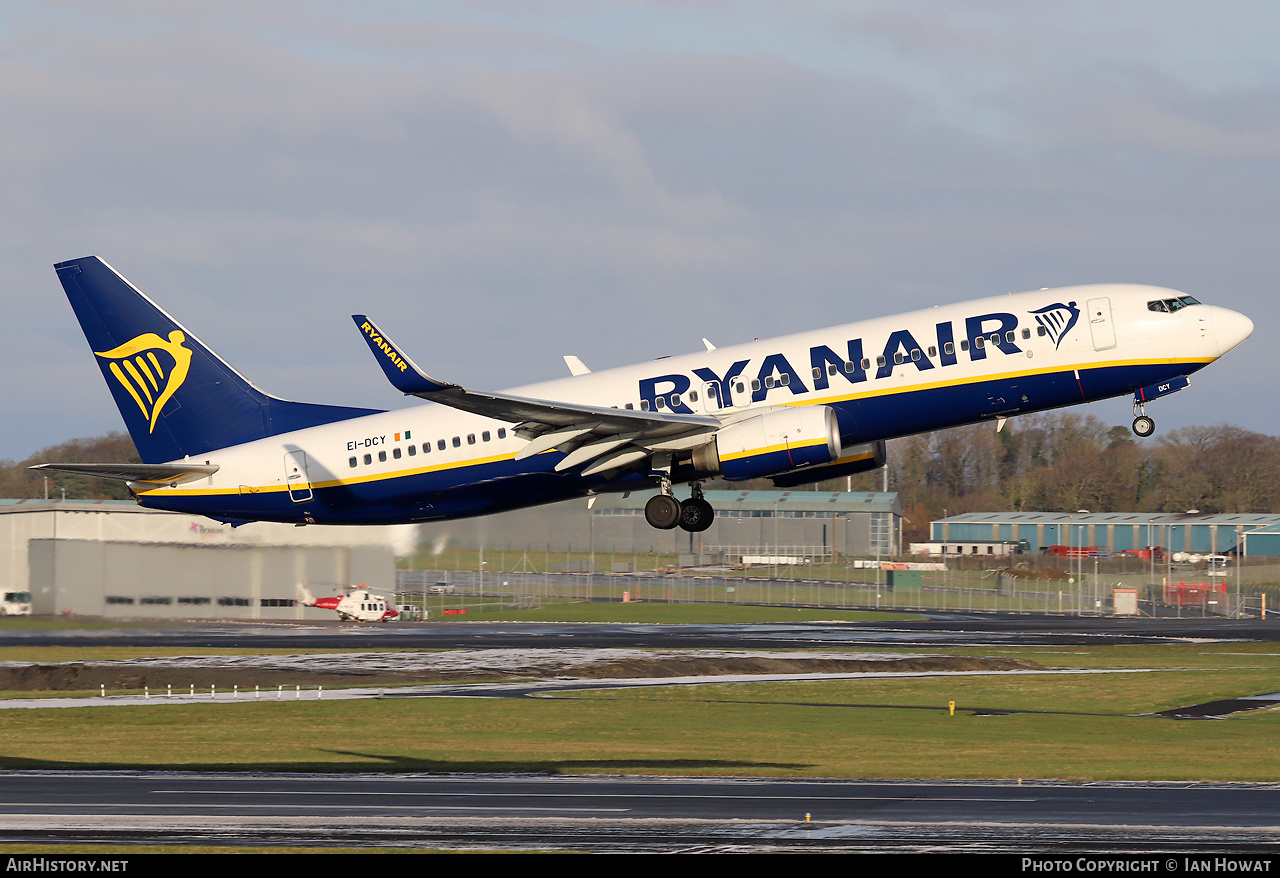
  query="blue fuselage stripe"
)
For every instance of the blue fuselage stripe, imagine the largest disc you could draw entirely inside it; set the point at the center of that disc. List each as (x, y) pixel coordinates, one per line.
(497, 486)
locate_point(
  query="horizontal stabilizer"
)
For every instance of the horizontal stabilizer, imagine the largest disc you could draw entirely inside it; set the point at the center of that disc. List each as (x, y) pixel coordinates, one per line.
(152, 473)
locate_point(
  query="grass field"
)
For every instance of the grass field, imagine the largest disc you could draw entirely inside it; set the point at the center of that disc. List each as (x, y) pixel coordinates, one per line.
(1079, 727)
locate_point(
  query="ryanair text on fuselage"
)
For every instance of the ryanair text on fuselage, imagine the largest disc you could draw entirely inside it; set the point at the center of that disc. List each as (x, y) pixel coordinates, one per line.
(997, 330)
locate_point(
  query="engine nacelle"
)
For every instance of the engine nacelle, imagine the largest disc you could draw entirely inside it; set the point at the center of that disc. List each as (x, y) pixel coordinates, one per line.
(853, 460)
(774, 442)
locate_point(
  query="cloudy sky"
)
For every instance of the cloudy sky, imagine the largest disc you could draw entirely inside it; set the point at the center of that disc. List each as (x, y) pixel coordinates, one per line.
(506, 182)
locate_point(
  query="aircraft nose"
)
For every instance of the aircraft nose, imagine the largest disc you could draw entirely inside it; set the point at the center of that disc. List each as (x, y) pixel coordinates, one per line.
(1230, 327)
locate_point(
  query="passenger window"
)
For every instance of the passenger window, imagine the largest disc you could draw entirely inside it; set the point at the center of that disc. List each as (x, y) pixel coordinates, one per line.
(662, 402)
(880, 360)
(675, 400)
(933, 351)
(382, 457)
(755, 383)
(1041, 331)
(413, 450)
(644, 405)
(848, 367)
(693, 396)
(471, 438)
(978, 343)
(1009, 336)
(866, 364)
(915, 354)
(426, 447)
(353, 461)
(784, 379)
(817, 372)
(485, 436)
(368, 459)
(441, 445)
(502, 431)
(1026, 333)
(948, 348)
(457, 441)
(964, 344)
(395, 452)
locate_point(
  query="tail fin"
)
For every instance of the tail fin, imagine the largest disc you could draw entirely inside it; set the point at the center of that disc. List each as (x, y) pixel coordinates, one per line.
(177, 397)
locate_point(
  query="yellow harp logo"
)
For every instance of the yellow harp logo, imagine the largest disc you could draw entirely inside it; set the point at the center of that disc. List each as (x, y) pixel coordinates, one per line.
(150, 379)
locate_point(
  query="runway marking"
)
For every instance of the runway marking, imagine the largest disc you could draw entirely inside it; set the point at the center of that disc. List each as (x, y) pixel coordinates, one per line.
(578, 795)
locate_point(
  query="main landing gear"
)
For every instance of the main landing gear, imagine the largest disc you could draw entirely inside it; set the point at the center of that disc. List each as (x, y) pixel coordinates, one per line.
(1143, 426)
(665, 512)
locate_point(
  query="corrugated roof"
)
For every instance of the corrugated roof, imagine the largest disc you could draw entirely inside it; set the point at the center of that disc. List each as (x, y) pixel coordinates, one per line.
(1231, 519)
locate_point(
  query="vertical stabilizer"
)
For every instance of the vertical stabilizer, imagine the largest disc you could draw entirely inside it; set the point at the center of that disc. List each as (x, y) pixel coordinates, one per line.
(177, 397)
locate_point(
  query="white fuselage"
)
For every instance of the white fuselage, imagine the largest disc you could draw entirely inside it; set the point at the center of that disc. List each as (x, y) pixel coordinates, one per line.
(891, 376)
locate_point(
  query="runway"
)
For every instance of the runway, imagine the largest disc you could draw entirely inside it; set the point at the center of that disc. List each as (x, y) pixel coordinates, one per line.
(930, 631)
(645, 814)
(638, 814)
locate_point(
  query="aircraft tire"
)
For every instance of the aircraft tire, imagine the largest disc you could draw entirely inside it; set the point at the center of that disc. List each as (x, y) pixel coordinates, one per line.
(696, 515)
(1143, 426)
(662, 511)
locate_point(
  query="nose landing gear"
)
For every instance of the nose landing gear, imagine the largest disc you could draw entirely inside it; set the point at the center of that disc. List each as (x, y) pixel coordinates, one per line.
(1143, 425)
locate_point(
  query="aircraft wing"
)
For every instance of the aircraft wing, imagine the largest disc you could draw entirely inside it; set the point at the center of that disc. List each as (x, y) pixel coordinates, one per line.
(157, 473)
(611, 437)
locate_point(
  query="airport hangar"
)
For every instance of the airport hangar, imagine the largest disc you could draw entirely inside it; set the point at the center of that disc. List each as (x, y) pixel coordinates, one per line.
(976, 532)
(114, 558)
(813, 523)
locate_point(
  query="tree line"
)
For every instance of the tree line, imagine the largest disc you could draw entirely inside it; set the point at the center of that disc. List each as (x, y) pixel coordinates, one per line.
(1065, 461)
(18, 481)
(1050, 462)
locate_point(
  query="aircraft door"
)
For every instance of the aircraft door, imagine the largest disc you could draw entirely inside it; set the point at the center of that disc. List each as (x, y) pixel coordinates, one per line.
(1101, 326)
(711, 402)
(295, 475)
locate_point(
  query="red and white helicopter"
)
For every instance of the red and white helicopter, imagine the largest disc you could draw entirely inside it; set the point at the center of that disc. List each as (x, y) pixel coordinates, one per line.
(357, 605)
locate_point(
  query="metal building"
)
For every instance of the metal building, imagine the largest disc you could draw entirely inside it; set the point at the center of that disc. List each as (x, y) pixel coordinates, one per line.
(115, 558)
(830, 523)
(1115, 531)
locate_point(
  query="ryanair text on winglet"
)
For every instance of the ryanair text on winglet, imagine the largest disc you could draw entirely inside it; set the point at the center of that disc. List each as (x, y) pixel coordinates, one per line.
(383, 345)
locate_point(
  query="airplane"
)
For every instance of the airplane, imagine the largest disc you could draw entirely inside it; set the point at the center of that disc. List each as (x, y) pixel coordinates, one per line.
(796, 409)
(357, 605)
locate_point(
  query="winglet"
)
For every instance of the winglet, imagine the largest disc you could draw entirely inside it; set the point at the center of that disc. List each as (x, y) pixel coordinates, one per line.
(403, 374)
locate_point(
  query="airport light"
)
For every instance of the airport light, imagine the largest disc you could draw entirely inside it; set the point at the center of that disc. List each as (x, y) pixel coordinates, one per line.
(1080, 563)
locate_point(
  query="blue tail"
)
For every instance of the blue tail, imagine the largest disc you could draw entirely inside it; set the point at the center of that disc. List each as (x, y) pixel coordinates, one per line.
(177, 397)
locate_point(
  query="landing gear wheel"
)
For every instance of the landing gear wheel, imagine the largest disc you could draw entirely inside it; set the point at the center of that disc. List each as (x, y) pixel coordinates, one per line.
(662, 511)
(1143, 426)
(696, 515)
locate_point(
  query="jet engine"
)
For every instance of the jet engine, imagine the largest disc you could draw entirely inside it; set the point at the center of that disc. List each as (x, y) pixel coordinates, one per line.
(853, 459)
(775, 442)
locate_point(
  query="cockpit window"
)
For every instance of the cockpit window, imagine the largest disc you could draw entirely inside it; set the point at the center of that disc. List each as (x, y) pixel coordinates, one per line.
(1170, 305)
